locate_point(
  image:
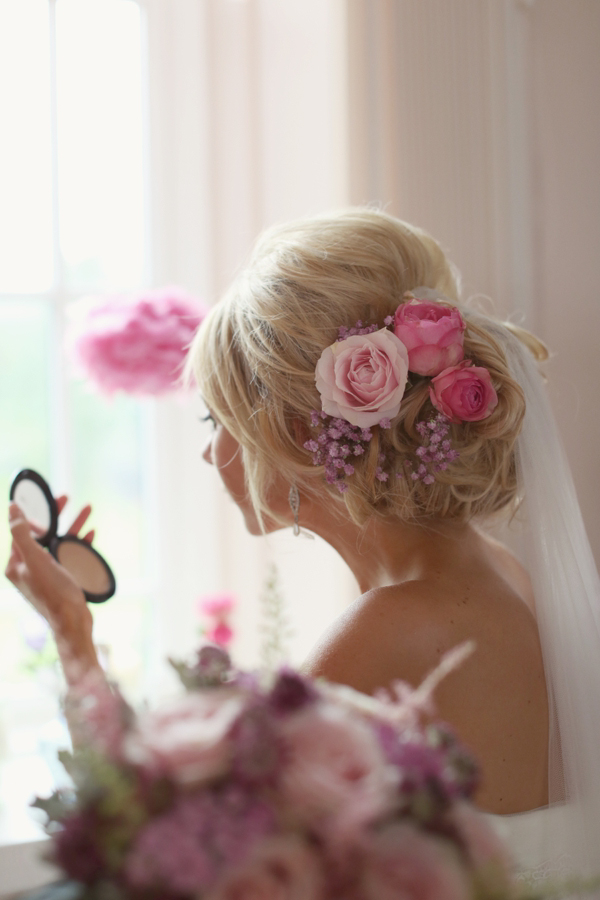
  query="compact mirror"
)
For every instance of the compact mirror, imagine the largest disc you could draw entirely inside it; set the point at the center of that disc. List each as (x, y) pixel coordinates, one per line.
(85, 565)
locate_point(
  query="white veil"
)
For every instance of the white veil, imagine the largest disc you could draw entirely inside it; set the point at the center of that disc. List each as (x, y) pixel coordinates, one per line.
(567, 596)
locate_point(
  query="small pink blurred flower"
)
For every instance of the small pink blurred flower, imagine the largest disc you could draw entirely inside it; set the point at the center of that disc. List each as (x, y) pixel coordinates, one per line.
(433, 335)
(218, 609)
(362, 378)
(280, 868)
(188, 739)
(336, 774)
(216, 604)
(220, 634)
(464, 393)
(402, 863)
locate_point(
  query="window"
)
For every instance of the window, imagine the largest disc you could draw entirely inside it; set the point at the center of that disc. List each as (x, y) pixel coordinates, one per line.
(73, 223)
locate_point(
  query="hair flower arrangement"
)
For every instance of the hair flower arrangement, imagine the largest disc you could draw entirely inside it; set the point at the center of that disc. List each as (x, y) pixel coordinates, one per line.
(362, 379)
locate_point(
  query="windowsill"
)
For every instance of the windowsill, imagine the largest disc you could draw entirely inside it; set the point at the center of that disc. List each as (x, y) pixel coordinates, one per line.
(22, 837)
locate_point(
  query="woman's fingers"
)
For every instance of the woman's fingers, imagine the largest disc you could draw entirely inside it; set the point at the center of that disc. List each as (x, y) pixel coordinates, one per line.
(28, 548)
(89, 537)
(80, 520)
(61, 502)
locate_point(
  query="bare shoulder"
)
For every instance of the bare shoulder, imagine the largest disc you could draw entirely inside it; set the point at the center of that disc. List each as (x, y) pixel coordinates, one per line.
(496, 700)
(395, 632)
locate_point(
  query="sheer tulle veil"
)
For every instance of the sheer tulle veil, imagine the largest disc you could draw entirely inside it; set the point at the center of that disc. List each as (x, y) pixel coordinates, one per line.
(567, 597)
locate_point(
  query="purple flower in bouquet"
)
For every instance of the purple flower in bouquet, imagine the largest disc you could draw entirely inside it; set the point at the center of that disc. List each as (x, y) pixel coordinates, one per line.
(76, 849)
(257, 745)
(203, 834)
(290, 692)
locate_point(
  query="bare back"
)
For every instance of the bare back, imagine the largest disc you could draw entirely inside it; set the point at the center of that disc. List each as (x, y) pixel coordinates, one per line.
(497, 701)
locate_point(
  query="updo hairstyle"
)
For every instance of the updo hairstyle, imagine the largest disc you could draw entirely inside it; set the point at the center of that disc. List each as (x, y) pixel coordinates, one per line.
(254, 360)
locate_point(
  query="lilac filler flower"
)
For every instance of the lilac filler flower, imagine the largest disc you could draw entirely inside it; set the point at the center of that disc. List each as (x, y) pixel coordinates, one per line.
(76, 848)
(186, 849)
(256, 745)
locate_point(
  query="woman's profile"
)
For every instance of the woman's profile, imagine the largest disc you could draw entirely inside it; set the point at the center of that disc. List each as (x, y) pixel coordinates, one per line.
(353, 395)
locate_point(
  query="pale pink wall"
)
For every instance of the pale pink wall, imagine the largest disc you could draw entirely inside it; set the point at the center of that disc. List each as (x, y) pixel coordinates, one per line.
(566, 147)
(480, 121)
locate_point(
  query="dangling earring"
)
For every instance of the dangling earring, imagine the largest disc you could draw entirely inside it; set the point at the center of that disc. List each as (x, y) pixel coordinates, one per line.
(294, 501)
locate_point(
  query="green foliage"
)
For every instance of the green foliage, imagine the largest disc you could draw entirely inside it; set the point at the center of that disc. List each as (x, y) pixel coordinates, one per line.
(56, 806)
(275, 627)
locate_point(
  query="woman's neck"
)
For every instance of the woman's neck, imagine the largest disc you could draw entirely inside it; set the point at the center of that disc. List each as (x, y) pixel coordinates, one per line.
(388, 551)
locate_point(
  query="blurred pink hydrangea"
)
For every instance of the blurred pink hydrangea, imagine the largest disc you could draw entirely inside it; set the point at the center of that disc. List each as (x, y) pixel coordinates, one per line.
(135, 344)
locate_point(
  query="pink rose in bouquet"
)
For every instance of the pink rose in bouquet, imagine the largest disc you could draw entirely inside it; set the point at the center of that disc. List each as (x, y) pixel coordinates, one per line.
(433, 335)
(464, 393)
(280, 868)
(362, 378)
(336, 771)
(188, 738)
(404, 862)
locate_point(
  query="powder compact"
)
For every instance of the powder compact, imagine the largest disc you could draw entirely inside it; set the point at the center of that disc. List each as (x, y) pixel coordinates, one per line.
(85, 565)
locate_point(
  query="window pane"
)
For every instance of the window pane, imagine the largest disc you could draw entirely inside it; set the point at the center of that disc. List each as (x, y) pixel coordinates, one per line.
(26, 255)
(110, 441)
(108, 444)
(24, 329)
(100, 143)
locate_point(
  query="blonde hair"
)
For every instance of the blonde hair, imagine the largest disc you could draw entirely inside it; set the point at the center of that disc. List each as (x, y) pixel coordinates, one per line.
(254, 361)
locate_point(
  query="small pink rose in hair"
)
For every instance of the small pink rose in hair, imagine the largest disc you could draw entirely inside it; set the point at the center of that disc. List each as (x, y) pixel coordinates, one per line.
(362, 379)
(432, 333)
(464, 393)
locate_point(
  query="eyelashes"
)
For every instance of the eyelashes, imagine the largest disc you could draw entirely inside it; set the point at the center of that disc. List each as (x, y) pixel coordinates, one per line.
(209, 418)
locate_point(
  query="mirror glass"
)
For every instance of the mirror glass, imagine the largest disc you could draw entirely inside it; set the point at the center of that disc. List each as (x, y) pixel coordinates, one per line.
(85, 566)
(34, 504)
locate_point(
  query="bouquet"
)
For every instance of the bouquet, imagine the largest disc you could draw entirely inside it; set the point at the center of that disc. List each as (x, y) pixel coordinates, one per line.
(271, 786)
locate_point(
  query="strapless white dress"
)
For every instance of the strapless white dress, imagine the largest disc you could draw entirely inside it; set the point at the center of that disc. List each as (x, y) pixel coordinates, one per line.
(532, 838)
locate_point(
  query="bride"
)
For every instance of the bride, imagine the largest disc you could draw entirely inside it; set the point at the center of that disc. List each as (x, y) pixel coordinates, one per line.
(354, 396)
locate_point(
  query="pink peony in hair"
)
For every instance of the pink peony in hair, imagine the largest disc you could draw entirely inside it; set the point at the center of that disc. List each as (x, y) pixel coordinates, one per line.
(433, 335)
(136, 344)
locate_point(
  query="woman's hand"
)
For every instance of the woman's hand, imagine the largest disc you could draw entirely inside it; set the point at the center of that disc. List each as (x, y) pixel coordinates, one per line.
(53, 592)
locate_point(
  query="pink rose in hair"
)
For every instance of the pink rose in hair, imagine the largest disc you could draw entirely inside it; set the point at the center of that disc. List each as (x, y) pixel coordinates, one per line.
(279, 868)
(404, 862)
(362, 378)
(464, 393)
(433, 335)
